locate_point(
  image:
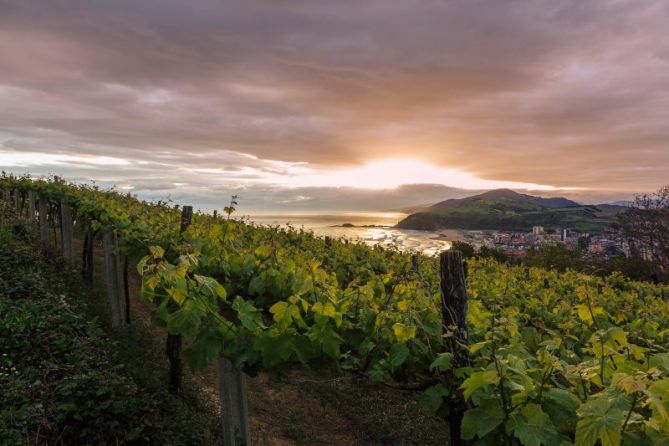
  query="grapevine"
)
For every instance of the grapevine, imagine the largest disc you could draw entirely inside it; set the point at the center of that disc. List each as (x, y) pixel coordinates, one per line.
(555, 358)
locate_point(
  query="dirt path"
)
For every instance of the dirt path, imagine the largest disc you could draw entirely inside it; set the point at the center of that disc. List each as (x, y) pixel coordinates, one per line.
(282, 414)
(305, 410)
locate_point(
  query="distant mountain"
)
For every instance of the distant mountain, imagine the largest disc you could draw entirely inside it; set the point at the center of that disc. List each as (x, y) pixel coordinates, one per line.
(509, 195)
(409, 198)
(508, 210)
(611, 209)
(620, 203)
(410, 209)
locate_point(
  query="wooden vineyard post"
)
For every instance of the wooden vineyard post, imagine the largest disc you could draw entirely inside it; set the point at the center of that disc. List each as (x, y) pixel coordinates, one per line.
(87, 256)
(23, 203)
(43, 225)
(232, 396)
(173, 344)
(126, 289)
(454, 317)
(66, 233)
(414, 263)
(31, 206)
(114, 278)
(17, 202)
(234, 406)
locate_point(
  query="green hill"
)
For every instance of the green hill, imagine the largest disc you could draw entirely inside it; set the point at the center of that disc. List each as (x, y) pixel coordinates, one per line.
(505, 209)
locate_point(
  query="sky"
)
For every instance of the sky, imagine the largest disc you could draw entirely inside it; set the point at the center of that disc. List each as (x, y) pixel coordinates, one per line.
(314, 105)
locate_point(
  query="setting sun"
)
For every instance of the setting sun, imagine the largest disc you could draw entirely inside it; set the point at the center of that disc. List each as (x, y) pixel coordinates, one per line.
(389, 173)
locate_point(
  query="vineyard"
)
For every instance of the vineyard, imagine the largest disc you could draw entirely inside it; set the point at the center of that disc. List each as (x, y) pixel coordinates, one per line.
(543, 359)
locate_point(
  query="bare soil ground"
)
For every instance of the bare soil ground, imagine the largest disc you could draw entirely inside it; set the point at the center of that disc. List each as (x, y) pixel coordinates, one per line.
(306, 409)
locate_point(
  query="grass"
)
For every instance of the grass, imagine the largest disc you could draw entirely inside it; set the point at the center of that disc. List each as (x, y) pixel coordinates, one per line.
(67, 380)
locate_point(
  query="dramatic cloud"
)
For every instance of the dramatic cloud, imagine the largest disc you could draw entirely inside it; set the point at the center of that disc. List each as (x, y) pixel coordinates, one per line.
(213, 96)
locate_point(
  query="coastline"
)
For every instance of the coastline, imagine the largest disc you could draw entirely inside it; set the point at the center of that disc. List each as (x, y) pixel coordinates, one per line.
(377, 229)
(450, 235)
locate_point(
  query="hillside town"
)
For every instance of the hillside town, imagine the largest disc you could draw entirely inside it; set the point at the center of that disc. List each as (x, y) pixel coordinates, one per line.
(517, 244)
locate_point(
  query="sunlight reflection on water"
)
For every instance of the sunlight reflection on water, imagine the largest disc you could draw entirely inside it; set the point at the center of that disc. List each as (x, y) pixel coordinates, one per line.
(425, 242)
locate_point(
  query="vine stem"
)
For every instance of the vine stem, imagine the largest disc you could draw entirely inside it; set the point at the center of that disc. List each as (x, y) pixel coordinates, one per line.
(544, 379)
(498, 367)
(629, 414)
(602, 361)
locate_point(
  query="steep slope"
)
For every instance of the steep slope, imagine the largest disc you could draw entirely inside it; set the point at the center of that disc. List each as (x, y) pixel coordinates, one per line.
(506, 195)
(509, 210)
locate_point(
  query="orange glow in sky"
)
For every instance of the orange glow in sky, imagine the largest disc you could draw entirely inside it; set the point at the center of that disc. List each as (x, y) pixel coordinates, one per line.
(382, 173)
(389, 173)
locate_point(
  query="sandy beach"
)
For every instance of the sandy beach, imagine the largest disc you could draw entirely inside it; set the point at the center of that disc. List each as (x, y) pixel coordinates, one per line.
(450, 235)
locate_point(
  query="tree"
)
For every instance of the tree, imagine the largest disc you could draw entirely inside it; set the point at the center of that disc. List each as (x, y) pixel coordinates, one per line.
(468, 251)
(555, 256)
(645, 227)
(492, 253)
(582, 243)
(465, 248)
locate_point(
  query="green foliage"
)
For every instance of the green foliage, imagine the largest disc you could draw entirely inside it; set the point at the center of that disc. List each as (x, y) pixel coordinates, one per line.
(468, 251)
(533, 427)
(433, 398)
(61, 380)
(550, 351)
(487, 252)
(554, 256)
(602, 418)
(507, 210)
(482, 420)
(484, 252)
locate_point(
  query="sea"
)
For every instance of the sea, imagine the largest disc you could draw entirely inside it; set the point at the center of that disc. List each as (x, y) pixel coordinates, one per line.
(371, 228)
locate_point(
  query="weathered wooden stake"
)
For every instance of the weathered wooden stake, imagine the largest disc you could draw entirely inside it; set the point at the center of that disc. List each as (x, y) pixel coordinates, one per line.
(84, 256)
(87, 256)
(126, 289)
(31, 206)
(414, 263)
(43, 224)
(234, 406)
(186, 217)
(17, 202)
(66, 232)
(454, 317)
(53, 216)
(173, 343)
(114, 278)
